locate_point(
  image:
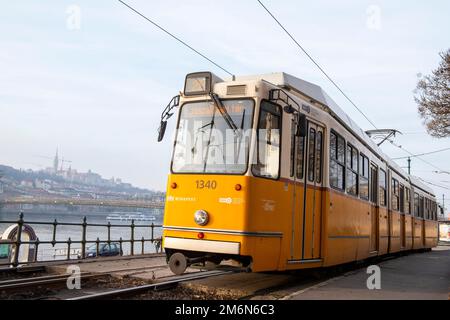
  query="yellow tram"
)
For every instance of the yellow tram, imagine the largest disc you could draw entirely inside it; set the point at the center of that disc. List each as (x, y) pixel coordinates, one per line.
(267, 170)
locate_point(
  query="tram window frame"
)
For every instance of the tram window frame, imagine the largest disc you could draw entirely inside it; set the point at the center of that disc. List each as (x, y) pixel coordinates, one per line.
(435, 210)
(382, 188)
(401, 194)
(421, 206)
(352, 170)
(373, 179)
(300, 157)
(395, 197)
(319, 155)
(248, 158)
(338, 160)
(416, 204)
(280, 128)
(407, 204)
(311, 154)
(364, 176)
(292, 151)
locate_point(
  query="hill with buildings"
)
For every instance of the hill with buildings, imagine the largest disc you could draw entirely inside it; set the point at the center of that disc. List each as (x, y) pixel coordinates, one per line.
(56, 182)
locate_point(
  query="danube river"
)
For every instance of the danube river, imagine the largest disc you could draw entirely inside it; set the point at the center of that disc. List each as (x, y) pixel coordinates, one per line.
(120, 218)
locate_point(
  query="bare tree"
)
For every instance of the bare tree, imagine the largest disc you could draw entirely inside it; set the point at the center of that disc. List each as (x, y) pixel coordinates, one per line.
(433, 98)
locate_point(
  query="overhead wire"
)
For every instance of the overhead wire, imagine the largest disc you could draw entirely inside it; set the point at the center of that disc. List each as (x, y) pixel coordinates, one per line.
(176, 38)
(317, 64)
(422, 154)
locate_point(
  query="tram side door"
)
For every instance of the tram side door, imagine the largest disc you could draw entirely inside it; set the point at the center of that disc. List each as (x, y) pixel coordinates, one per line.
(312, 199)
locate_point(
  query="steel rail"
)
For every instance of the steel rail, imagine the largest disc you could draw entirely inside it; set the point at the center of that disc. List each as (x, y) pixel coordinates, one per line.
(154, 286)
(21, 284)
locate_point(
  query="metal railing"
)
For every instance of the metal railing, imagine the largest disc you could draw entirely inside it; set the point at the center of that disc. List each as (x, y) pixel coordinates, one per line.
(17, 243)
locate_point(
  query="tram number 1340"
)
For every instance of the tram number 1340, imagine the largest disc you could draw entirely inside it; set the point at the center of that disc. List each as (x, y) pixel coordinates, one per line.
(206, 184)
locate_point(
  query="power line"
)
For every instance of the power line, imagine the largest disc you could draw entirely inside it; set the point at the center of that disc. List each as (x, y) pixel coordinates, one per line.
(434, 184)
(416, 132)
(421, 154)
(317, 65)
(418, 157)
(176, 38)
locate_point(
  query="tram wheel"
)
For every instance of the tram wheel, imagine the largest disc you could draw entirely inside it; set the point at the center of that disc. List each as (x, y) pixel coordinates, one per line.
(178, 263)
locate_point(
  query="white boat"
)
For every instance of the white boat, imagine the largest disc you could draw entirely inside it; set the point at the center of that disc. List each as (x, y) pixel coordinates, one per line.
(127, 216)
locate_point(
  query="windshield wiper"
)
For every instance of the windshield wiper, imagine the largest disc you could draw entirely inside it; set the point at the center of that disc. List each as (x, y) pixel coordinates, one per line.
(223, 111)
(209, 124)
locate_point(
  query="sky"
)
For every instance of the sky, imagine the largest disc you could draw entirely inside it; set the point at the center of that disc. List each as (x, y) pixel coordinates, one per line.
(91, 78)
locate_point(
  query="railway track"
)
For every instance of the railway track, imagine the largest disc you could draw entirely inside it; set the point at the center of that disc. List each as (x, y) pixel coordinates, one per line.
(17, 285)
(163, 285)
(41, 285)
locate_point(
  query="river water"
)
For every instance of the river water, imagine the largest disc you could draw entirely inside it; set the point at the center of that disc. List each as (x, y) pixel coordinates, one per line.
(94, 215)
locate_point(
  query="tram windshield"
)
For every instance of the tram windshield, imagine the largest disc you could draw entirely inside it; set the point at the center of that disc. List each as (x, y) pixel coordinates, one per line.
(206, 143)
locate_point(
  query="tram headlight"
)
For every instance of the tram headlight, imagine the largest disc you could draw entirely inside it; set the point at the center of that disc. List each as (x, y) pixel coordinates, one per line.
(201, 217)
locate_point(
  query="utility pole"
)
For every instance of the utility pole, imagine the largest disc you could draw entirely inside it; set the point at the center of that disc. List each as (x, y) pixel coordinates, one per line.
(443, 204)
(409, 165)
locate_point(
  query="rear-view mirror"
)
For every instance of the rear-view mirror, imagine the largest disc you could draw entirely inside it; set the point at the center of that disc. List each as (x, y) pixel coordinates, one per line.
(162, 130)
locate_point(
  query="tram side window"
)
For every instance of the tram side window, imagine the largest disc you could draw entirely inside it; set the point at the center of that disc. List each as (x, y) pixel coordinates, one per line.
(319, 143)
(382, 184)
(402, 198)
(421, 205)
(435, 210)
(292, 154)
(407, 201)
(352, 170)
(311, 154)
(394, 194)
(337, 161)
(300, 156)
(268, 148)
(364, 176)
(416, 205)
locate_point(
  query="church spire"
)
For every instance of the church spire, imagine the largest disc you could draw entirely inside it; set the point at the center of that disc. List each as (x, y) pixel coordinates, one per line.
(56, 162)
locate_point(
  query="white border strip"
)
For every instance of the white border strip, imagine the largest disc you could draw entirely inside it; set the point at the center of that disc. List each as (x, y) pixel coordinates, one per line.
(202, 245)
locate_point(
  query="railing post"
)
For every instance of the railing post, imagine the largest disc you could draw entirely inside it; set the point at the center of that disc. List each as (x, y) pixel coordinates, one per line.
(55, 223)
(18, 240)
(83, 238)
(120, 246)
(132, 238)
(142, 245)
(36, 250)
(97, 243)
(109, 232)
(69, 242)
(153, 227)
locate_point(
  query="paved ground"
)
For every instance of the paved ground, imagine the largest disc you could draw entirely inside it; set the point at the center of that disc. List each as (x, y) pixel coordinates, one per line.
(417, 276)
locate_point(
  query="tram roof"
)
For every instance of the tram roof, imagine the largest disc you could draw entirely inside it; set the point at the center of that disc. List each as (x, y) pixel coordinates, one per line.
(315, 92)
